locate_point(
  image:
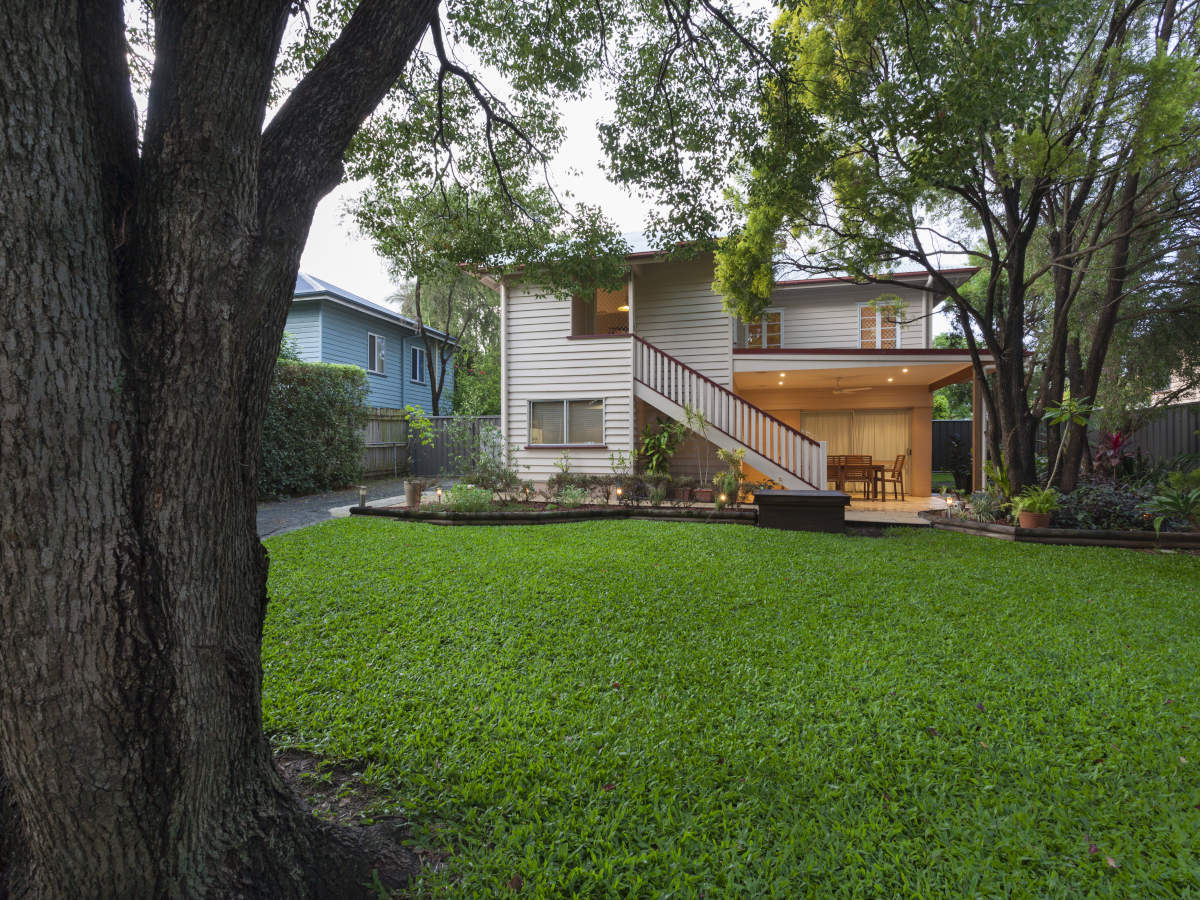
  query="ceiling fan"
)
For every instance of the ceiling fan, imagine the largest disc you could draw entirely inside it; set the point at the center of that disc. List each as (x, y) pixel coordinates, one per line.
(841, 390)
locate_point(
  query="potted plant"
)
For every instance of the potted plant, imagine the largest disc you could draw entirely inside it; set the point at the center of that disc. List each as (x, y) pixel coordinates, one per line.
(412, 492)
(729, 482)
(1032, 507)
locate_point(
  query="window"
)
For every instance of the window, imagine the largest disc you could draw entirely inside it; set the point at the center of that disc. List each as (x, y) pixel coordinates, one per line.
(603, 313)
(878, 328)
(767, 332)
(417, 364)
(557, 422)
(375, 355)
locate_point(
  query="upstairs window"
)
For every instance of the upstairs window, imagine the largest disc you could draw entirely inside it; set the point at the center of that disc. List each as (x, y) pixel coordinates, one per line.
(603, 313)
(767, 332)
(417, 365)
(375, 345)
(878, 328)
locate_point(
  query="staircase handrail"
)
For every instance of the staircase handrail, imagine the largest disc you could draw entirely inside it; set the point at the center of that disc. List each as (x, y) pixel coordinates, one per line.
(724, 390)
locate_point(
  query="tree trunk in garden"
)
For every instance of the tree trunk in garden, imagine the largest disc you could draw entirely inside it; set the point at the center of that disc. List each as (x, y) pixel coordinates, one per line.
(143, 300)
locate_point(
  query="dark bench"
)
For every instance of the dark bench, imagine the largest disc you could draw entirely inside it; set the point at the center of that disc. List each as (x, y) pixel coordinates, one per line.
(803, 510)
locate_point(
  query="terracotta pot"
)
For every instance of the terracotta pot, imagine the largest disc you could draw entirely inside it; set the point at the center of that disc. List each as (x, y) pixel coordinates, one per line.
(1034, 520)
(412, 494)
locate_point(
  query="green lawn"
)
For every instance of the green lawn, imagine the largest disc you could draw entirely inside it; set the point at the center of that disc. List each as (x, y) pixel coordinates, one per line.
(634, 709)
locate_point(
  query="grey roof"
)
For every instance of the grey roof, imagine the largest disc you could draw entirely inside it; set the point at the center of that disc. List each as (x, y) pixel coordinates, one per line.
(311, 287)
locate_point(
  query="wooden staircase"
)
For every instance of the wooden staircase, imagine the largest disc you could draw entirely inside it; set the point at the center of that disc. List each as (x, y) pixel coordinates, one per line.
(785, 455)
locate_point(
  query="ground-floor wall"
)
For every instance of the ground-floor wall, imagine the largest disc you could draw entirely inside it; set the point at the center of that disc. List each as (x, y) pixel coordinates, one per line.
(814, 411)
(695, 458)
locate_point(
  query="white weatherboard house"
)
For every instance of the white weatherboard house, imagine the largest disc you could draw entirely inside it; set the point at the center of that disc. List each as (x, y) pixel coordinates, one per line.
(824, 372)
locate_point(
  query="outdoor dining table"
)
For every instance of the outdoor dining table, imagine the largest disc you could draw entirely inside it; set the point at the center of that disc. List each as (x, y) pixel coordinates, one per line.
(836, 472)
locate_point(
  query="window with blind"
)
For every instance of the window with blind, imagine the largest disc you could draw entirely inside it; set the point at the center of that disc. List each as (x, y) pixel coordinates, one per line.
(566, 422)
(878, 328)
(767, 332)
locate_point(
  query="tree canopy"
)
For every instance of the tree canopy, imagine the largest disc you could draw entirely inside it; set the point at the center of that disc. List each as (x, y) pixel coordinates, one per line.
(1051, 143)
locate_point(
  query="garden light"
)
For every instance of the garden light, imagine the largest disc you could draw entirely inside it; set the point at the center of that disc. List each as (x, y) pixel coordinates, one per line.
(439, 495)
(722, 498)
(362, 495)
(618, 492)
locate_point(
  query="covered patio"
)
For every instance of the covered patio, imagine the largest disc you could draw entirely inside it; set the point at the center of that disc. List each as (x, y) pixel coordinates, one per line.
(862, 403)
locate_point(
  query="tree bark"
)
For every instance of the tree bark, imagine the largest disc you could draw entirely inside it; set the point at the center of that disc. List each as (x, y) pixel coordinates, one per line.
(143, 303)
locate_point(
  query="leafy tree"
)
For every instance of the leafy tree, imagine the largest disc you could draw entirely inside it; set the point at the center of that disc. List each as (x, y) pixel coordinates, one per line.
(954, 400)
(903, 131)
(147, 270)
(457, 305)
(477, 381)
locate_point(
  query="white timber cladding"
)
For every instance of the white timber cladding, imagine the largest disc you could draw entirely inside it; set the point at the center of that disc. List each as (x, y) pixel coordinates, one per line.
(826, 315)
(541, 363)
(679, 312)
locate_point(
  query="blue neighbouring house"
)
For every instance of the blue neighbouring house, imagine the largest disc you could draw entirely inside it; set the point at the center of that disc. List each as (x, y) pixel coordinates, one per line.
(332, 325)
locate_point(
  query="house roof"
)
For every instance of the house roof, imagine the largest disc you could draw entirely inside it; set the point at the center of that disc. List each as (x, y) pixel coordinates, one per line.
(955, 276)
(309, 287)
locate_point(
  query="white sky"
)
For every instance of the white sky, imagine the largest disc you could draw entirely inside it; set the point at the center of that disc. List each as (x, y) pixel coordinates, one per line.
(337, 253)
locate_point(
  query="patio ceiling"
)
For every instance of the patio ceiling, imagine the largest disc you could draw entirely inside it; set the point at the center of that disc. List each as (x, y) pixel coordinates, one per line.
(758, 373)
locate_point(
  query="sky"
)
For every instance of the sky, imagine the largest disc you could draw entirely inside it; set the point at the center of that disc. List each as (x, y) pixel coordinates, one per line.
(337, 253)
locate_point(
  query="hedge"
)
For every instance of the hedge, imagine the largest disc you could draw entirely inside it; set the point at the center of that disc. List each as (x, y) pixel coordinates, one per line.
(313, 432)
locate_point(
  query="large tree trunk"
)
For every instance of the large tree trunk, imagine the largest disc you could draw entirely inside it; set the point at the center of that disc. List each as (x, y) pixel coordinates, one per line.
(143, 303)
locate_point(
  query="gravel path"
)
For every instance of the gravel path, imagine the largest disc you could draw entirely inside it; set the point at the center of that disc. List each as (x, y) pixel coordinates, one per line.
(282, 516)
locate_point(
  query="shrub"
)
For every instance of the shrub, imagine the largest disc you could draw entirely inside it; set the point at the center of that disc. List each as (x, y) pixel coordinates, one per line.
(483, 460)
(468, 498)
(1103, 506)
(659, 443)
(985, 506)
(571, 497)
(313, 432)
(1178, 507)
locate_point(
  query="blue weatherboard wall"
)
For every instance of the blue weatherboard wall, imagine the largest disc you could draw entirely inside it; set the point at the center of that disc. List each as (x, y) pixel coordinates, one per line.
(304, 325)
(341, 335)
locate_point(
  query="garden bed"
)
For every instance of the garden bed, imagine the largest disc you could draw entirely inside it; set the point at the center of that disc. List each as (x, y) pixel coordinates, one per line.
(1167, 540)
(537, 514)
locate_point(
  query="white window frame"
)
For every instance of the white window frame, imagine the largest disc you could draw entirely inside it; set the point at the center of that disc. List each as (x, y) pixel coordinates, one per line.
(380, 344)
(566, 406)
(424, 367)
(878, 325)
(763, 321)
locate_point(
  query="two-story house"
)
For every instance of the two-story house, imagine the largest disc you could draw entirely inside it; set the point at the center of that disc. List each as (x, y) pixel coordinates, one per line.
(332, 325)
(825, 371)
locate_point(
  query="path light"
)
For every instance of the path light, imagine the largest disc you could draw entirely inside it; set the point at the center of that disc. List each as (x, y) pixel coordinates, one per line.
(362, 495)
(722, 498)
(439, 492)
(618, 492)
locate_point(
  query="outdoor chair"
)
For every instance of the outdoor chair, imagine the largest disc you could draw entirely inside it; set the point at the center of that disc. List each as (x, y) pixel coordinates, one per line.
(895, 476)
(859, 469)
(833, 470)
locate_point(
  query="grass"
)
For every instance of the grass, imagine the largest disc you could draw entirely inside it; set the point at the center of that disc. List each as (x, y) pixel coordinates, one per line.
(634, 709)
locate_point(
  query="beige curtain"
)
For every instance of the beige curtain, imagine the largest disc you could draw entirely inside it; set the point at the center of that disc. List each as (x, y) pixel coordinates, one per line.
(882, 434)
